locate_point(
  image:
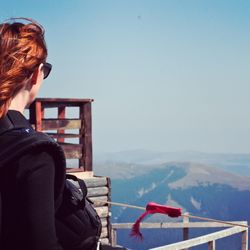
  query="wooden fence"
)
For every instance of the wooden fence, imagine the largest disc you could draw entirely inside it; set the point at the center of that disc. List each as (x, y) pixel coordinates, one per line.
(82, 123)
(209, 239)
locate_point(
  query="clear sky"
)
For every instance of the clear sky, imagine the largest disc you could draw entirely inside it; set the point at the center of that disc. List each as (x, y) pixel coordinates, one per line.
(165, 75)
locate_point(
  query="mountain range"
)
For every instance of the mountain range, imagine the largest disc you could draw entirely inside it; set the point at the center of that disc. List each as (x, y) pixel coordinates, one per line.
(235, 163)
(194, 185)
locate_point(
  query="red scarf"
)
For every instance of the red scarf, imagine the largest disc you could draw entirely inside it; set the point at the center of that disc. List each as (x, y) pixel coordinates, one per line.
(153, 208)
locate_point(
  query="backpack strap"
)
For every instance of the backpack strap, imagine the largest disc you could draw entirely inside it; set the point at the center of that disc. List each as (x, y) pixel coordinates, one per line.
(80, 182)
(18, 138)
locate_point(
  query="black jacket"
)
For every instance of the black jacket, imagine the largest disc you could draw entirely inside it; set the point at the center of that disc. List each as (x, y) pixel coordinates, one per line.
(31, 180)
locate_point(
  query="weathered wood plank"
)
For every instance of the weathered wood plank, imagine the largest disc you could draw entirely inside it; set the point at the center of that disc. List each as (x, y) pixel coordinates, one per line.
(98, 191)
(72, 155)
(60, 124)
(96, 182)
(63, 101)
(38, 112)
(61, 115)
(104, 222)
(58, 104)
(98, 201)
(63, 135)
(72, 151)
(104, 232)
(104, 241)
(211, 245)
(202, 239)
(86, 139)
(185, 230)
(78, 172)
(176, 225)
(244, 240)
(113, 237)
(102, 211)
(92, 182)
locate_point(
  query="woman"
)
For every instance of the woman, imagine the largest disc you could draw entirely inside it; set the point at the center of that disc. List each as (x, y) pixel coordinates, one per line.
(27, 186)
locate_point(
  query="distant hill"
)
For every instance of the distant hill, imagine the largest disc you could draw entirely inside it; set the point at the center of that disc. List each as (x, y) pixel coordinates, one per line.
(121, 170)
(192, 187)
(235, 163)
(199, 189)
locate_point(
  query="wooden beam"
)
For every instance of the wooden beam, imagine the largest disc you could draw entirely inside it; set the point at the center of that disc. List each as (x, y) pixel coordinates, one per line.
(99, 201)
(60, 124)
(80, 173)
(211, 245)
(65, 101)
(185, 229)
(86, 139)
(113, 238)
(177, 225)
(104, 222)
(61, 116)
(75, 170)
(62, 135)
(72, 151)
(98, 191)
(39, 115)
(202, 239)
(96, 182)
(104, 232)
(103, 212)
(109, 226)
(244, 240)
(105, 241)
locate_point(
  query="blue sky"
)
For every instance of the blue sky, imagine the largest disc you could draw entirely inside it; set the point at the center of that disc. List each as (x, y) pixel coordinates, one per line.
(165, 75)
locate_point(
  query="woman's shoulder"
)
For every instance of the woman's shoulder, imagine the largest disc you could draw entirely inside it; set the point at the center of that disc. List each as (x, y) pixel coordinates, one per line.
(33, 150)
(34, 161)
(16, 143)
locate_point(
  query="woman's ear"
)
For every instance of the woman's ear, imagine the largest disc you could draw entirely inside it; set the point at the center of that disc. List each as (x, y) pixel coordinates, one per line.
(37, 74)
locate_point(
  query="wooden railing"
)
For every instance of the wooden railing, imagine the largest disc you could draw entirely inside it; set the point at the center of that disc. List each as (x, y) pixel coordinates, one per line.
(81, 150)
(209, 239)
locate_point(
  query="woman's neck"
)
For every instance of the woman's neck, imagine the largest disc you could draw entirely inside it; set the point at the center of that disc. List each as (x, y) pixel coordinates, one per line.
(19, 102)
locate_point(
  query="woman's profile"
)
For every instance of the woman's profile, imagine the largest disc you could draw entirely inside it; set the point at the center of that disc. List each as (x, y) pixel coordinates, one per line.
(27, 185)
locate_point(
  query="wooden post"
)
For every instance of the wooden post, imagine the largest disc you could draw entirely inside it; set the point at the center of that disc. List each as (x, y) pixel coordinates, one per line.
(211, 245)
(185, 229)
(81, 140)
(36, 115)
(39, 115)
(61, 115)
(86, 139)
(113, 238)
(244, 241)
(109, 226)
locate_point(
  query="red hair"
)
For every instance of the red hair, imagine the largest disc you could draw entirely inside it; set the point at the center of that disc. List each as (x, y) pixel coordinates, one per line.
(22, 50)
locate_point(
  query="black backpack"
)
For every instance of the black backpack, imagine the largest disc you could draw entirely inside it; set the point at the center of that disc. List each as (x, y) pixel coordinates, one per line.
(76, 219)
(78, 226)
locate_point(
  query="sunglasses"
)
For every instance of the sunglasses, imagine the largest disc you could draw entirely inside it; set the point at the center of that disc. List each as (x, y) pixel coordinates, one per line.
(46, 70)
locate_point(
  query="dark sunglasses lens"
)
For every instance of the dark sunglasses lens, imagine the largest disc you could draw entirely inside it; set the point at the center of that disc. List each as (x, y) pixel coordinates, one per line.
(46, 70)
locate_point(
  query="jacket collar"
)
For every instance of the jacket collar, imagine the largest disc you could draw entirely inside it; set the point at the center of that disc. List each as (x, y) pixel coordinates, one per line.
(13, 120)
